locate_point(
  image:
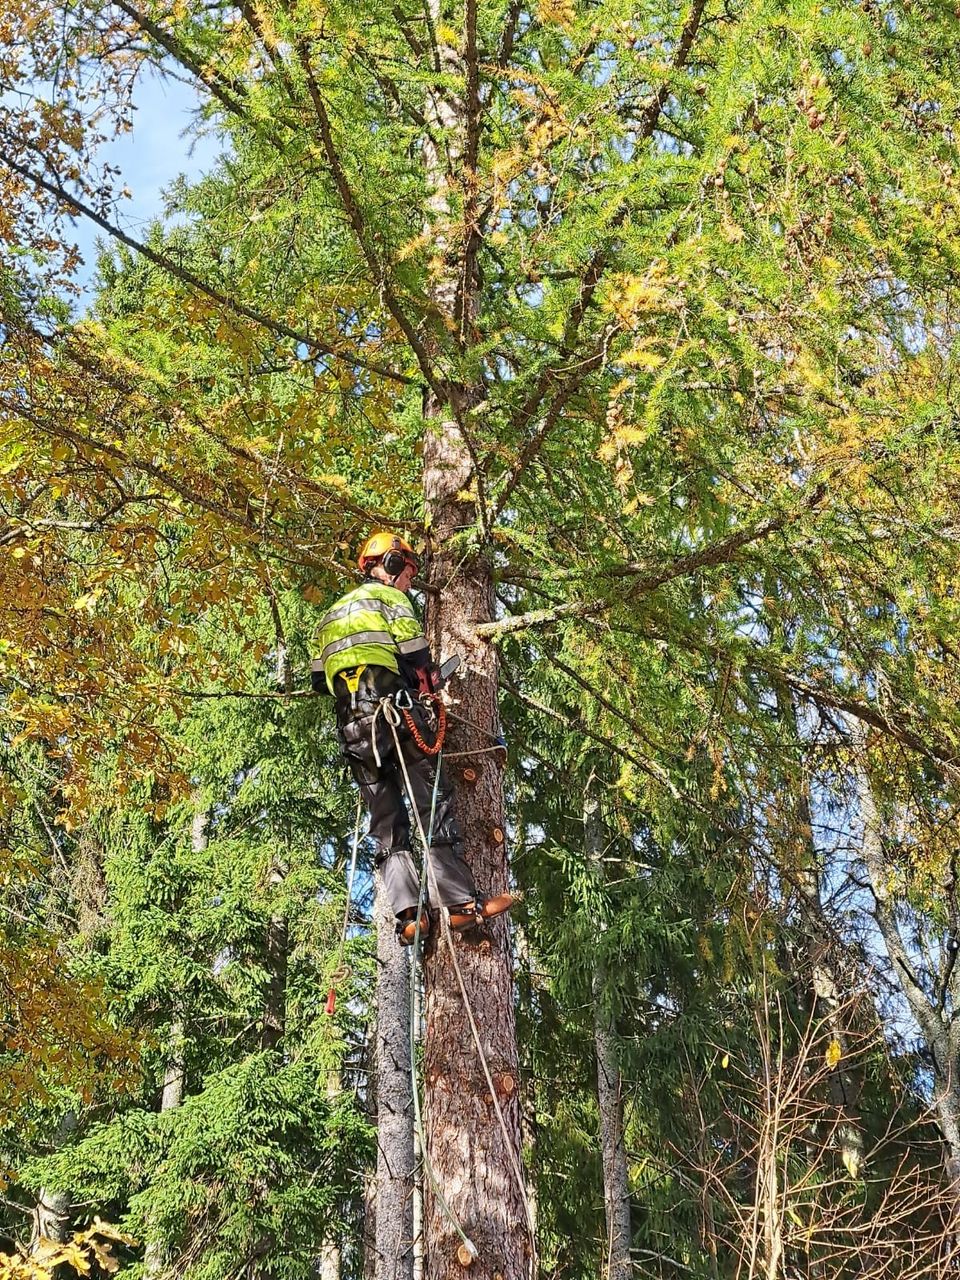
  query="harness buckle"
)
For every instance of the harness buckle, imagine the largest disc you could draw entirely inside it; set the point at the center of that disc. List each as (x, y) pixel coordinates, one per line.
(351, 678)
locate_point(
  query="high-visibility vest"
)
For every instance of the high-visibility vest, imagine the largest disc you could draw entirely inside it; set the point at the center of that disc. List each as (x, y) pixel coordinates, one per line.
(370, 626)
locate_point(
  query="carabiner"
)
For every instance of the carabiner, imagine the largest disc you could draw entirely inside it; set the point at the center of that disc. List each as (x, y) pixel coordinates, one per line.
(402, 700)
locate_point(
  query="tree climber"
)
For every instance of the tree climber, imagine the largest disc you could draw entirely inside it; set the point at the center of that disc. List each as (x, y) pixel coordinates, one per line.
(371, 647)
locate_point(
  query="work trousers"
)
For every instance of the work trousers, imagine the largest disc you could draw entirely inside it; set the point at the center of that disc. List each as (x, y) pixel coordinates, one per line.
(383, 789)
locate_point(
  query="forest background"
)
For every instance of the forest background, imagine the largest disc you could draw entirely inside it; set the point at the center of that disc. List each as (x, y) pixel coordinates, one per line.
(638, 320)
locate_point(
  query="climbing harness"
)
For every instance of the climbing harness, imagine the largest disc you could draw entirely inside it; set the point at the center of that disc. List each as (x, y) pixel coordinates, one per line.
(342, 971)
(400, 705)
(391, 716)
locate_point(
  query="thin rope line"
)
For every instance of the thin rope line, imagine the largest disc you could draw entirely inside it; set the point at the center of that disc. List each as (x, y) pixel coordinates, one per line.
(393, 718)
(448, 933)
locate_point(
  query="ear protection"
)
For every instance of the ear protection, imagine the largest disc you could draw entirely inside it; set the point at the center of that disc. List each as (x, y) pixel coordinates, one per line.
(394, 561)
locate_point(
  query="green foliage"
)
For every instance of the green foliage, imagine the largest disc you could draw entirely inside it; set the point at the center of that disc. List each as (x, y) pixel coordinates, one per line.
(702, 377)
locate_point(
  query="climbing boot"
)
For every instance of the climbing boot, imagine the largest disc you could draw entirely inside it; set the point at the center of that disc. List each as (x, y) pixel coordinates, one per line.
(407, 927)
(473, 913)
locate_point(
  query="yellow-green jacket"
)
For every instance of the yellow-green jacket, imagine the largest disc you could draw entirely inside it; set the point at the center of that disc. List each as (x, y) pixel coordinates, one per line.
(371, 625)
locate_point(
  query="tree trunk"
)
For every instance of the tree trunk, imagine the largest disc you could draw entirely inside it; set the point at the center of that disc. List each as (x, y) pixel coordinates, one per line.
(419, 1258)
(331, 1260)
(51, 1217)
(821, 974)
(274, 1005)
(616, 1185)
(393, 1250)
(476, 1163)
(277, 941)
(937, 1019)
(370, 1226)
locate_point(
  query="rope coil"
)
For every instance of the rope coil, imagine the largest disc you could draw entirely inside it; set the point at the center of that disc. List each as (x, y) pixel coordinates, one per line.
(428, 749)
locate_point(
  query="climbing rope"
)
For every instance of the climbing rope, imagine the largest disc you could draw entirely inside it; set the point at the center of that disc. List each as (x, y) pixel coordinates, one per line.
(393, 719)
(342, 971)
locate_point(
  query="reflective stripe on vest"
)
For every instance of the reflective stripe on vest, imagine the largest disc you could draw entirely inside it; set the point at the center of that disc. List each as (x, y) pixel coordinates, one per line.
(390, 611)
(350, 642)
(414, 645)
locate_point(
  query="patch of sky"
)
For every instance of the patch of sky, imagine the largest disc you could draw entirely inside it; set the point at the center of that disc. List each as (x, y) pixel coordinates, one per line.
(532, 294)
(168, 141)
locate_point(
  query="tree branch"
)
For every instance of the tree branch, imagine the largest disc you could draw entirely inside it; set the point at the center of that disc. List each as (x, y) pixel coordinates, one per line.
(227, 92)
(355, 217)
(597, 265)
(184, 489)
(185, 276)
(649, 580)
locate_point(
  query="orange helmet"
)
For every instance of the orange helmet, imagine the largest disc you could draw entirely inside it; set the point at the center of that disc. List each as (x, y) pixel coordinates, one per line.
(392, 551)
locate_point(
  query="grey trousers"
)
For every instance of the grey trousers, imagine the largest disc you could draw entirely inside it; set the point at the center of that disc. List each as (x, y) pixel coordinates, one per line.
(383, 790)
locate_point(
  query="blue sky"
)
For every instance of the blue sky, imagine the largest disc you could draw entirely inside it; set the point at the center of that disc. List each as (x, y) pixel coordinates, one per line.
(163, 144)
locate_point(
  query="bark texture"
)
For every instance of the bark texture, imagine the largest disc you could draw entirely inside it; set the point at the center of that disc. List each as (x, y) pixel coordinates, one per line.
(821, 972)
(938, 1013)
(331, 1259)
(175, 1070)
(471, 1157)
(474, 1161)
(51, 1217)
(393, 1247)
(616, 1185)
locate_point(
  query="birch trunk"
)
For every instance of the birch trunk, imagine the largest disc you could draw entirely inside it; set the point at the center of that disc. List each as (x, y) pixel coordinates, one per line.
(937, 1018)
(393, 1248)
(51, 1217)
(476, 1163)
(616, 1185)
(331, 1260)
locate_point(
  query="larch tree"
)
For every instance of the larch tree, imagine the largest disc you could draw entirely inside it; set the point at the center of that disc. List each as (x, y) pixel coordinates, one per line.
(626, 311)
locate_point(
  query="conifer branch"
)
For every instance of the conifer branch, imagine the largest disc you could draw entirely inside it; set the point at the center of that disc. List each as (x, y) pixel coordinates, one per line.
(650, 579)
(355, 217)
(229, 93)
(589, 283)
(510, 28)
(188, 277)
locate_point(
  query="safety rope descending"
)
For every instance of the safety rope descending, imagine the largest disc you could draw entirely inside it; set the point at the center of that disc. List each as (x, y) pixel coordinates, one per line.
(392, 715)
